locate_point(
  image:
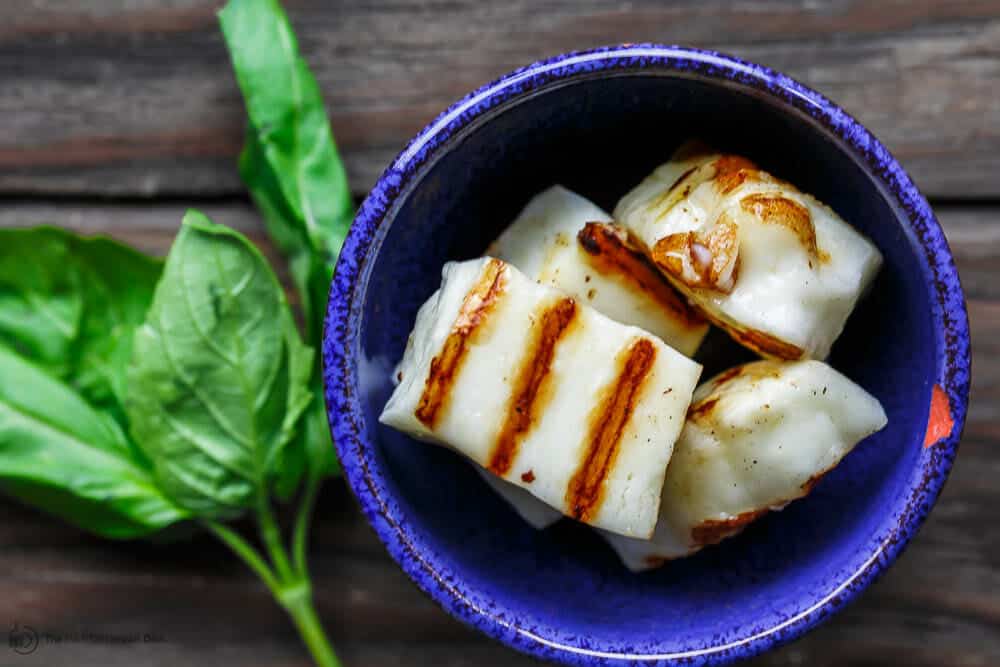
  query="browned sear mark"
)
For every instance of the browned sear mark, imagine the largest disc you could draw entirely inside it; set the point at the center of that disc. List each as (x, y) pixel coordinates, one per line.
(528, 477)
(758, 341)
(682, 187)
(608, 422)
(756, 370)
(702, 408)
(612, 253)
(765, 343)
(726, 376)
(779, 210)
(732, 171)
(479, 302)
(531, 383)
(702, 260)
(713, 531)
(683, 177)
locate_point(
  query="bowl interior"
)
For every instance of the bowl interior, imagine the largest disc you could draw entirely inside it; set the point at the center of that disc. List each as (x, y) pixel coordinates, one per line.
(599, 137)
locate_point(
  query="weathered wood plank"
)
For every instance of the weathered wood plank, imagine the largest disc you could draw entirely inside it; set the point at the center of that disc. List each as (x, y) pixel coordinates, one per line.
(136, 98)
(939, 606)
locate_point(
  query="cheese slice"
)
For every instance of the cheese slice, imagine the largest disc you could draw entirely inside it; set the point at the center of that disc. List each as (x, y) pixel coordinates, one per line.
(774, 267)
(757, 437)
(546, 393)
(563, 240)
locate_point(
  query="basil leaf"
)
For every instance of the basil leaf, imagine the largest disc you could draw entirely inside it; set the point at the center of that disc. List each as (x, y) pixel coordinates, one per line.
(41, 299)
(290, 162)
(72, 304)
(61, 455)
(291, 166)
(219, 375)
(118, 285)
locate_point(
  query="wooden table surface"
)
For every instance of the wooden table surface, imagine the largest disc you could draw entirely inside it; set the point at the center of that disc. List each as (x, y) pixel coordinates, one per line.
(116, 115)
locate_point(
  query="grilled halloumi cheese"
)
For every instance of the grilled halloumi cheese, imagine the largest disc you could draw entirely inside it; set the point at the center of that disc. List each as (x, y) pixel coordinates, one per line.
(757, 437)
(546, 393)
(563, 240)
(771, 265)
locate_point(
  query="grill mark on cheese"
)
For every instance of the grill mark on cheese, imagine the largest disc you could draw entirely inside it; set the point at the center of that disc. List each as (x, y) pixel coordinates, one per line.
(727, 171)
(682, 187)
(703, 408)
(608, 422)
(755, 370)
(532, 383)
(610, 252)
(682, 178)
(731, 171)
(779, 210)
(726, 376)
(713, 531)
(479, 302)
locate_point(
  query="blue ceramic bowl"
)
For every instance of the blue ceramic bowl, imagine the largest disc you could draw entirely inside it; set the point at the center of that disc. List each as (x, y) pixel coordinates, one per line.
(597, 122)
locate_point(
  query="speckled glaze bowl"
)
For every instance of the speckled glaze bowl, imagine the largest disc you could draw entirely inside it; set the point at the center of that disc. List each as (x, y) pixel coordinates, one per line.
(597, 122)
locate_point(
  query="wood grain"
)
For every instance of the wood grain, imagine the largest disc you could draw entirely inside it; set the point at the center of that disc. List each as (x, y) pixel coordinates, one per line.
(136, 98)
(939, 606)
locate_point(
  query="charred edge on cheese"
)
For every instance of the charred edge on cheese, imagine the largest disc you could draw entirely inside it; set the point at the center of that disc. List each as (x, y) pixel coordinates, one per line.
(532, 382)
(810, 484)
(479, 302)
(614, 256)
(713, 531)
(765, 343)
(701, 260)
(758, 341)
(779, 210)
(732, 171)
(608, 422)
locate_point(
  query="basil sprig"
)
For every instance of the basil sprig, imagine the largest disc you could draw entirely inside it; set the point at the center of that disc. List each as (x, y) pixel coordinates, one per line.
(137, 394)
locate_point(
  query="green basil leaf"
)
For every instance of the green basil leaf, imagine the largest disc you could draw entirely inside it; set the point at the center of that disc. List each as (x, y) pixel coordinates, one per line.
(71, 305)
(61, 455)
(118, 290)
(41, 298)
(290, 162)
(219, 374)
(309, 266)
(291, 166)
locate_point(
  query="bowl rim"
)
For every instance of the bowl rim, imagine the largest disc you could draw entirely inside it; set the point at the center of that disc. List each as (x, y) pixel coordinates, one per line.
(341, 340)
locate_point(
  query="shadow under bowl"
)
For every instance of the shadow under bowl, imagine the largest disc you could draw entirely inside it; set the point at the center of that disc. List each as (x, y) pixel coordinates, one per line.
(598, 122)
